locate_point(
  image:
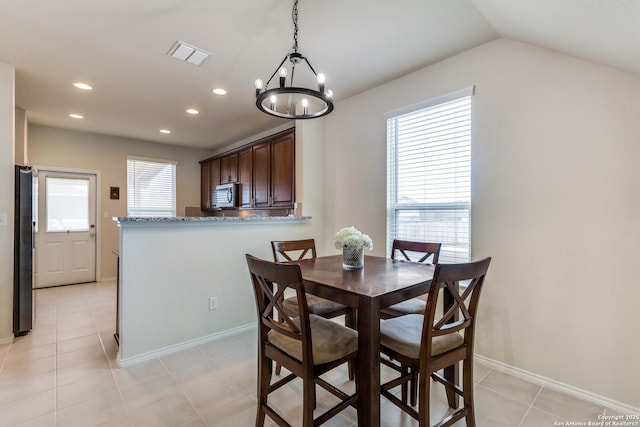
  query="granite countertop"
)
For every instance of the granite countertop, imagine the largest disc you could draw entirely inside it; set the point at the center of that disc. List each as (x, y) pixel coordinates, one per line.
(206, 219)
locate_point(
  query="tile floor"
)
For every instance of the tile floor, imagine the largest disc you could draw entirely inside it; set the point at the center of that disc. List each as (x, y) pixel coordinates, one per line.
(64, 374)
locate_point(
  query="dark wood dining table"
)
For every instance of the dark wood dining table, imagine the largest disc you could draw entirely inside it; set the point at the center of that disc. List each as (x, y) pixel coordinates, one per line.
(381, 283)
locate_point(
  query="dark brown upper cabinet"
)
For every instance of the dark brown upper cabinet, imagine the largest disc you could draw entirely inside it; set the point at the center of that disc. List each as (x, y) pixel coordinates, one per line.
(283, 171)
(245, 177)
(206, 194)
(229, 168)
(265, 170)
(262, 174)
(209, 178)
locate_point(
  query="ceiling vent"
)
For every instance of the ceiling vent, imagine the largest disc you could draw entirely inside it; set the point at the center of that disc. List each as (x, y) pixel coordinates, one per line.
(188, 53)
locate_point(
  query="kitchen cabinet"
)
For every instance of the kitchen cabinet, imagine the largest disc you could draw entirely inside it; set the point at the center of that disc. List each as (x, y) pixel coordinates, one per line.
(265, 170)
(229, 168)
(274, 172)
(262, 174)
(245, 177)
(283, 171)
(206, 191)
(214, 180)
(209, 178)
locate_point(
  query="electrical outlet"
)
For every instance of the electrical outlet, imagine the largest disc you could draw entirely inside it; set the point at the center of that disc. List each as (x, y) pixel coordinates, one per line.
(213, 303)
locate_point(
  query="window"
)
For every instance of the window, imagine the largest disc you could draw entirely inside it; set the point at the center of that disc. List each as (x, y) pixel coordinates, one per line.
(151, 187)
(429, 175)
(67, 204)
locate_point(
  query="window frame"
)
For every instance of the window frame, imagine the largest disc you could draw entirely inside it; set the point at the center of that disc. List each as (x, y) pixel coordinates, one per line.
(150, 211)
(450, 252)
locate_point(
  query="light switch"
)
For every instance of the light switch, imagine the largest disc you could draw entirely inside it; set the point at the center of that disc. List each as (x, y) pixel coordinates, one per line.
(3, 219)
(106, 215)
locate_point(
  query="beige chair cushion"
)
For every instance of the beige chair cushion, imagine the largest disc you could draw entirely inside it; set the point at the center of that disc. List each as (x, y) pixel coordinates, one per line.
(412, 306)
(403, 334)
(317, 305)
(330, 340)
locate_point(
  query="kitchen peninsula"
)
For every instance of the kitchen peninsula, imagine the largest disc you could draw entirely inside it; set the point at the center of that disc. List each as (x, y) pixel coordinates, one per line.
(170, 268)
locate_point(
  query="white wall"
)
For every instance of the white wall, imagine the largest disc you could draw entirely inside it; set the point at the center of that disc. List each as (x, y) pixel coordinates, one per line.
(310, 172)
(21, 137)
(7, 79)
(555, 152)
(169, 271)
(61, 148)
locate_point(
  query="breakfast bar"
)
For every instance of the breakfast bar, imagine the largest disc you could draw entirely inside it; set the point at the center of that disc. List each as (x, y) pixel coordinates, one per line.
(183, 281)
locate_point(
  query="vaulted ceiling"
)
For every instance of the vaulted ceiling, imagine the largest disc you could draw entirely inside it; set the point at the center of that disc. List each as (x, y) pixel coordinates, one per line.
(120, 48)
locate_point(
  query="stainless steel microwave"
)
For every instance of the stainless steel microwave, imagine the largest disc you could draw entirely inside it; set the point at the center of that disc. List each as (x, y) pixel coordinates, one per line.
(226, 196)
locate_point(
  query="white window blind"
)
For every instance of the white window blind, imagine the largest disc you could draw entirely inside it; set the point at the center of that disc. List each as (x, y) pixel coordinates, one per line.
(429, 176)
(151, 187)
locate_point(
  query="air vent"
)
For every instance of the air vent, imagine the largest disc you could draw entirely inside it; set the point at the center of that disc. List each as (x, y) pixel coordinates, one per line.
(188, 53)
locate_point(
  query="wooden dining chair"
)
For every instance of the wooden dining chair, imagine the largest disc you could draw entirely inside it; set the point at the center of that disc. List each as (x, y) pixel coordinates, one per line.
(424, 344)
(405, 250)
(306, 344)
(295, 250)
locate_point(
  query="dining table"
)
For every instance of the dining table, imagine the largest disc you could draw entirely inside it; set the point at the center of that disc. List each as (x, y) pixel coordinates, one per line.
(381, 283)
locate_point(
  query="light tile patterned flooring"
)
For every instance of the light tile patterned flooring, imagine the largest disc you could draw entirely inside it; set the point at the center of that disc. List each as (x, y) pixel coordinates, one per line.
(64, 374)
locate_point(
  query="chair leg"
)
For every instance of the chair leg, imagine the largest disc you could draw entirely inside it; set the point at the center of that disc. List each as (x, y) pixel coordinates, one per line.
(308, 401)
(404, 370)
(352, 373)
(452, 373)
(467, 392)
(278, 367)
(350, 320)
(264, 380)
(424, 389)
(413, 392)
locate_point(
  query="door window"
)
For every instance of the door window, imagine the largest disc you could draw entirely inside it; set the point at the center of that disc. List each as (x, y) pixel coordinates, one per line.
(67, 204)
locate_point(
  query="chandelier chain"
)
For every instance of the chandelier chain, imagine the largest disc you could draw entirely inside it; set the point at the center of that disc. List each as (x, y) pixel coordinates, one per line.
(294, 16)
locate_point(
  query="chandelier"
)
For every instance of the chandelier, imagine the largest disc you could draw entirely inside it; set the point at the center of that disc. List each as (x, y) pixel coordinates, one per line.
(289, 101)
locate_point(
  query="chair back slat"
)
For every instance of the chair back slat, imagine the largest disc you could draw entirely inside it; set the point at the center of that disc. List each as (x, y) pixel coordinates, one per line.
(273, 301)
(422, 250)
(461, 315)
(293, 250)
(270, 282)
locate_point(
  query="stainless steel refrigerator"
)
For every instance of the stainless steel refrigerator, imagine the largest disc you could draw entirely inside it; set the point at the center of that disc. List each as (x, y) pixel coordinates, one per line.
(23, 300)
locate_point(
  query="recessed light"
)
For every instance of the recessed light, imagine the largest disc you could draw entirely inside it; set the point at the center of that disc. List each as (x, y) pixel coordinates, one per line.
(82, 86)
(219, 91)
(192, 111)
(76, 116)
(165, 131)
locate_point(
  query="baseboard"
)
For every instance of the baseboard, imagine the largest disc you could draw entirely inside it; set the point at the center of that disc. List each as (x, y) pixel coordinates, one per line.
(558, 386)
(6, 341)
(183, 345)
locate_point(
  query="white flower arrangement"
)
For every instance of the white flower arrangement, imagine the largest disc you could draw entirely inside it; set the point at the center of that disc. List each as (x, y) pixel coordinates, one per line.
(351, 238)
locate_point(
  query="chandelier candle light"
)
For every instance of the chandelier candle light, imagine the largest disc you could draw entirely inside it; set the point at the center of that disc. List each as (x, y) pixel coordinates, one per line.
(353, 243)
(291, 102)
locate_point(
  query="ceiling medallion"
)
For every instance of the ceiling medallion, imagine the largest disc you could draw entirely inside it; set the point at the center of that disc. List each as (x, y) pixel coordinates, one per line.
(289, 101)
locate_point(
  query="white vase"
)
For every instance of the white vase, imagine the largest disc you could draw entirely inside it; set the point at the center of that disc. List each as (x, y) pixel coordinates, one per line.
(353, 258)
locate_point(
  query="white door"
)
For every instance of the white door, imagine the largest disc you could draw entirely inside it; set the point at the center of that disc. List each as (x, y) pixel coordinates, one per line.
(65, 228)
